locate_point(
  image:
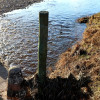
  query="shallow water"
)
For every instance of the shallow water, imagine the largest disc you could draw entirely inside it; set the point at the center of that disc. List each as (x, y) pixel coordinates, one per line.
(19, 31)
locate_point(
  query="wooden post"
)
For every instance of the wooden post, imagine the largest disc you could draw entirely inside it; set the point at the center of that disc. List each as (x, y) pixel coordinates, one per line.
(42, 45)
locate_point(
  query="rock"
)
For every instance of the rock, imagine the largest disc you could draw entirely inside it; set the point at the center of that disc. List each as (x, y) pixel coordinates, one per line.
(17, 85)
(83, 20)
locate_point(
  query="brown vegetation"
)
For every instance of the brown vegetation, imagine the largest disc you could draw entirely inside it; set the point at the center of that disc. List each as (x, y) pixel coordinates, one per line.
(83, 59)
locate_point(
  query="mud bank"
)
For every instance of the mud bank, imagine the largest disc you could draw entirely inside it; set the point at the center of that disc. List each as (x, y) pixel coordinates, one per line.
(83, 59)
(9, 5)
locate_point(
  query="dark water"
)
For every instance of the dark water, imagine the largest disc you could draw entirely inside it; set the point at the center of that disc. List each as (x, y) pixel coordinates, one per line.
(19, 31)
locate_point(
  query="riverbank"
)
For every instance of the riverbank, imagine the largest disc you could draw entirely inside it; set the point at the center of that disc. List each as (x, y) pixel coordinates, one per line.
(83, 59)
(9, 5)
(3, 82)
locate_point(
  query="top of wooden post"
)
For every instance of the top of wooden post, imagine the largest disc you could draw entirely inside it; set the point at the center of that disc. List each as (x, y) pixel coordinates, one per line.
(43, 12)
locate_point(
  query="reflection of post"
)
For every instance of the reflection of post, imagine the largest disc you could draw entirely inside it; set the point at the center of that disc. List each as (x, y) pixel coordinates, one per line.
(42, 49)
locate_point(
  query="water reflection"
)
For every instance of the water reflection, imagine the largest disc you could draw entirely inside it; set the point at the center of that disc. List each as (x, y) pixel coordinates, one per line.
(19, 31)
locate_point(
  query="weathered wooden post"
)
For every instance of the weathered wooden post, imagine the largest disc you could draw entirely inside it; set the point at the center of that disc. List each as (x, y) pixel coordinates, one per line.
(42, 45)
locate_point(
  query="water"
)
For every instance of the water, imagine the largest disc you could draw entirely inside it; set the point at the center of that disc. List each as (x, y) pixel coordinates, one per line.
(19, 31)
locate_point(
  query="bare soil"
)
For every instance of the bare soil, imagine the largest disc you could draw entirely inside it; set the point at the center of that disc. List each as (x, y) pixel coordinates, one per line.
(9, 5)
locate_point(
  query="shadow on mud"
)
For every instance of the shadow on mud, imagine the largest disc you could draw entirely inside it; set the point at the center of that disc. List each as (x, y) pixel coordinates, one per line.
(62, 89)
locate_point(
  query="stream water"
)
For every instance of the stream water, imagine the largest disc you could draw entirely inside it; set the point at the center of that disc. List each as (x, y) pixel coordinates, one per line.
(19, 31)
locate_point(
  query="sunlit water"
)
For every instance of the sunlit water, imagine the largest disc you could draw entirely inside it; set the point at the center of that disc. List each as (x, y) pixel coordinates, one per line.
(19, 31)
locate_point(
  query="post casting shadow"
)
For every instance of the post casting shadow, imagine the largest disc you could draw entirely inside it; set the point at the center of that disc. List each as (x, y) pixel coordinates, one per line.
(62, 88)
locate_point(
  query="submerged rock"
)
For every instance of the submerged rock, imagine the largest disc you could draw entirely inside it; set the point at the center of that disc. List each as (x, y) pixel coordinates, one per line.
(83, 20)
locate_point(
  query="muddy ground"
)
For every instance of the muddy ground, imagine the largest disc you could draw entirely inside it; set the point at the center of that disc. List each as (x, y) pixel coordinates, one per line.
(9, 5)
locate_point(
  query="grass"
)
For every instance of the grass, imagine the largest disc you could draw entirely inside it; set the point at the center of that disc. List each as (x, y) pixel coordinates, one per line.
(84, 57)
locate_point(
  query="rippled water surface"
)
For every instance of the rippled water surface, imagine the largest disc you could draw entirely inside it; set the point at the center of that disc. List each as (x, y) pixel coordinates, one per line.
(19, 31)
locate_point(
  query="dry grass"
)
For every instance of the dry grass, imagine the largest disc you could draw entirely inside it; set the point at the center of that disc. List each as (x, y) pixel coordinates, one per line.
(84, 57)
